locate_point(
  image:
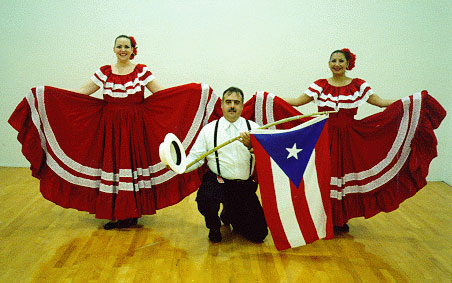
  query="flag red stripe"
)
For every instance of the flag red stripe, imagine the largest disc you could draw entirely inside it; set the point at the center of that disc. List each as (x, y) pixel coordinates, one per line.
(302, 213)
(269, 198)
(323, 177)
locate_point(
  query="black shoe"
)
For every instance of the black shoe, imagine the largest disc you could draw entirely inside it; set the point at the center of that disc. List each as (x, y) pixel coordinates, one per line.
(215, 235)
(341, 229)
(131, 222)
(126, 223)
(111, 225)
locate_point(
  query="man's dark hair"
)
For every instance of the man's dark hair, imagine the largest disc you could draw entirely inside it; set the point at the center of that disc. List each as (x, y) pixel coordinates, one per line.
(234, 89)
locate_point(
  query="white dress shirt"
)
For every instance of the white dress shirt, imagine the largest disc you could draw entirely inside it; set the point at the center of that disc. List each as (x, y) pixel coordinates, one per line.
(234, 157)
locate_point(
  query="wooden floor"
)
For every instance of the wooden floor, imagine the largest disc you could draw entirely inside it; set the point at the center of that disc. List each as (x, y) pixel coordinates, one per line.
(41, 242)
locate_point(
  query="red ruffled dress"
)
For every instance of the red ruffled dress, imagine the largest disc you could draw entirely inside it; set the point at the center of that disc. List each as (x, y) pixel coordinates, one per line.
(101, 155)
(381, 160)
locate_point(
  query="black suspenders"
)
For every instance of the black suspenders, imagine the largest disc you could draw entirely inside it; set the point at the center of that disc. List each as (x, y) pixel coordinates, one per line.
(215, 145)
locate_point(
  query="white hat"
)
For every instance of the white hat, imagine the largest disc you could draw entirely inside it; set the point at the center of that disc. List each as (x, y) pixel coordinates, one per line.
(172, 153)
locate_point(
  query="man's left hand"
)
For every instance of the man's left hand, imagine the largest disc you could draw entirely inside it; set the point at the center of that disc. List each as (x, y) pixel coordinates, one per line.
(245, 138)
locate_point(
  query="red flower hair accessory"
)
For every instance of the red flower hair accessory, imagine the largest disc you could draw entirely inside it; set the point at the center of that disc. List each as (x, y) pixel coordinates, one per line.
(134, 47)
(351, 58)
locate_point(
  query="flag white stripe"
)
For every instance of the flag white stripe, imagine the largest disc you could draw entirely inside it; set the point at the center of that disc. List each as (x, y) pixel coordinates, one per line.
(285, 208)
(314, 197)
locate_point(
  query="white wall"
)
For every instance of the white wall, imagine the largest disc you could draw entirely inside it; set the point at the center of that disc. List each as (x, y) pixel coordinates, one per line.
(277, 46)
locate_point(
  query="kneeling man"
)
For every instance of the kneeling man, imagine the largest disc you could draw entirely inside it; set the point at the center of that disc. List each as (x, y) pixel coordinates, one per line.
(229, 180)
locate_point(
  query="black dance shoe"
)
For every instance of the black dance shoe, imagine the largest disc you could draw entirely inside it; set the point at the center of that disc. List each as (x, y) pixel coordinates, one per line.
(215, 235)
(126, 223)
(111, 225)
(341, 229)
(129, 222)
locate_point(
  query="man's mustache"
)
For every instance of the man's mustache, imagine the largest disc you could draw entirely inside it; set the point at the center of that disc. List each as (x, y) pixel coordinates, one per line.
(232, 110)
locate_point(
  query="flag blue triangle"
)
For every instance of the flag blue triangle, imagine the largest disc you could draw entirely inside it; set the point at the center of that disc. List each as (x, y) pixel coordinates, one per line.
(292, 149)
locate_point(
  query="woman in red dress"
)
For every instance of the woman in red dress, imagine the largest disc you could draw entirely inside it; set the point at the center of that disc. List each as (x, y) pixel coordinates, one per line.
(101, 155)
(381, 160)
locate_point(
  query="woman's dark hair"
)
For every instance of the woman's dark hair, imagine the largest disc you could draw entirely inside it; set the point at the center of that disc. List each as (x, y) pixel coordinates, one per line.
(125, 36)
(349, 56)
(346, 54)
(233, 89)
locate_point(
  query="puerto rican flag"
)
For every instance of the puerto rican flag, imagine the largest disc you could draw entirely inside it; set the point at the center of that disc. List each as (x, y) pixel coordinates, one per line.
(294, 174)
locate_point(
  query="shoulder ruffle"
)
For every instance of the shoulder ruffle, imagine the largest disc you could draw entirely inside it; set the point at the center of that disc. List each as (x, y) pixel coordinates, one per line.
(121, 86)
(345, 97)
(101, 75)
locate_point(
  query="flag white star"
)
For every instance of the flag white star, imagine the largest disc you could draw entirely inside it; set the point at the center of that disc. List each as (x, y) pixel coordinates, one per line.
(293, 152)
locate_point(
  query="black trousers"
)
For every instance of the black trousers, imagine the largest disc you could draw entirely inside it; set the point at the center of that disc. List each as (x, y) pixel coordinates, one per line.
(241, 206)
